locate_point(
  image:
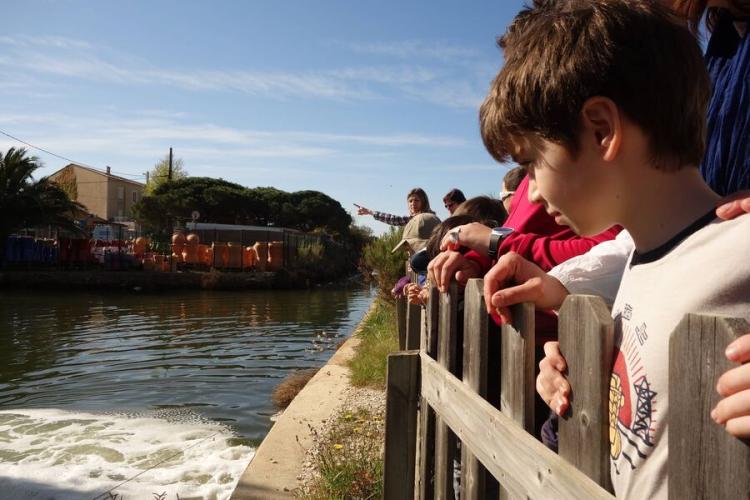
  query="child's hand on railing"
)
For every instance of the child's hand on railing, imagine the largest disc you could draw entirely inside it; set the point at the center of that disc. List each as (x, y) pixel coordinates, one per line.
(733, 412)
(475, 236)
(514, 280)
(551, 383)
(447, 265)
(413, 294)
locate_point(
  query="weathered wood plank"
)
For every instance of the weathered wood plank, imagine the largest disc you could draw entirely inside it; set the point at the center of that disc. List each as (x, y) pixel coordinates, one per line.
(704, 460)
(473, 473)
(517, 382)
(426, 438)
(445, 440)
(413, 325)
(401, 322)
(521, 463)
(429, 344)
(402, 394)
(586, 341)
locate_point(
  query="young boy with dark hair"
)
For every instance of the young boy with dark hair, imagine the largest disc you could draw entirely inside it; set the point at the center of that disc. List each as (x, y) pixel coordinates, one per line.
(604, 103)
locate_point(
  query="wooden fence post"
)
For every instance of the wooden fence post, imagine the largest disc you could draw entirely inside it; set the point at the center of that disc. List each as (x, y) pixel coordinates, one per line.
(413, 325)
(425, 486)
(475, 360)
(402, 394)
(401, 322)
(517, 384)
(586, 341)
(704, 460)
(445, 440)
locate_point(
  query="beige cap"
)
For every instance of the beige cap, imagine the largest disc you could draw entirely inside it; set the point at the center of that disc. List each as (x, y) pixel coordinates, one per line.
(417, 231)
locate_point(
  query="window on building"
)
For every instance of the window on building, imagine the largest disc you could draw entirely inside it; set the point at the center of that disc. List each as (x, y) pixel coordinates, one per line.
(120, 193)
(135, 196)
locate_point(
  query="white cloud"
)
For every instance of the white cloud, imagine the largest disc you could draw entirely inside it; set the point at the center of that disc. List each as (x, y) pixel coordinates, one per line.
(44, 41)
(69, 58)
(140, 138)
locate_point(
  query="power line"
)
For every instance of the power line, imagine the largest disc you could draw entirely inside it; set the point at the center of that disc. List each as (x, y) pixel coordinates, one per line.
(57, 155)
(44, 150)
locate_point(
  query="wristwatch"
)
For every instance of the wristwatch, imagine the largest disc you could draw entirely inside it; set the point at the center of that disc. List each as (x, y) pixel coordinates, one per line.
(497, 236)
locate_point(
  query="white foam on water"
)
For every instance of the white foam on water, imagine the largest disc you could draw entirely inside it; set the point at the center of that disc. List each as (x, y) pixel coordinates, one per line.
(50, 453)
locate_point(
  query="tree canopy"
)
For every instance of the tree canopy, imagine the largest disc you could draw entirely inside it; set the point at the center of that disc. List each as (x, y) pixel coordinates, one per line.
(25, 202)
(224, 202)
(160, 173)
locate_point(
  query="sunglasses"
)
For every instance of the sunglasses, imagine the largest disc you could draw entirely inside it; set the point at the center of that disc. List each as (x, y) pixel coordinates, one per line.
(505, 195)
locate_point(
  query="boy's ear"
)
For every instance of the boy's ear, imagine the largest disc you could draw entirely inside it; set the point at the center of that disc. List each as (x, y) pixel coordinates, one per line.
(601, 118)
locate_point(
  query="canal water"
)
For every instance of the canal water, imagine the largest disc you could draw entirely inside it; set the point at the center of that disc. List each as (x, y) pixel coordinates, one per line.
(135, 395)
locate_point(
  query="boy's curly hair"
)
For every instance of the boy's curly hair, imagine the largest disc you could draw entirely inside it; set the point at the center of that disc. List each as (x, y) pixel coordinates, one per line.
(560, 53)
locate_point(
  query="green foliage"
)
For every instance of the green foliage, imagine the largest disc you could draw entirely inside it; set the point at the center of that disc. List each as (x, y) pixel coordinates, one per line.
(310, 255)
(25, 202)
(160, 173)
(385, 266)
(225, 202)
(379, 338)
(350, 458)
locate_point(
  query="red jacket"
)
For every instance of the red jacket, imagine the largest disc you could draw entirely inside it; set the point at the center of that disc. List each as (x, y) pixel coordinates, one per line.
(538, 238)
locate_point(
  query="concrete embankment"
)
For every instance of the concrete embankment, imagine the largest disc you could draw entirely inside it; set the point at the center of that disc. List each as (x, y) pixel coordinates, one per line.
(144, 280)
(275, 469)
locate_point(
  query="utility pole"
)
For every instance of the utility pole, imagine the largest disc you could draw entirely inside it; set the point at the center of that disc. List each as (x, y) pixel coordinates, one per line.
(170, 165)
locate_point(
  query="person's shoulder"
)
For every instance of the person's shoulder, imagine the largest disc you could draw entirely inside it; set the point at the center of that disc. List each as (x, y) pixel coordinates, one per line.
(728, 236)
(737, 227)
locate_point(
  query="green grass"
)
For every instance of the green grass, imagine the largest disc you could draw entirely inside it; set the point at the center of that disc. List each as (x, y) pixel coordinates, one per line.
(379, 338)
(350, 459)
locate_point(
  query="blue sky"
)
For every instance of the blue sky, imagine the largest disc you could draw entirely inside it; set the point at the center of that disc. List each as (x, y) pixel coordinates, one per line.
(360, 100)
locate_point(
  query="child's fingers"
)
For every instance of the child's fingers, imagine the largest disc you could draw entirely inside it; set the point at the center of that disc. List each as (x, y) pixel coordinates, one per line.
(555, 357)
(739, 350)
(554, 391)
(734, 380)
(734, 205)
(733, 407)
(528, 291)
(739, 427)
(560, 405)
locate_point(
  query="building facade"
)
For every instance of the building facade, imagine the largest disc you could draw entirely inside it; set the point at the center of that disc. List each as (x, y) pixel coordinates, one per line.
(105, 195)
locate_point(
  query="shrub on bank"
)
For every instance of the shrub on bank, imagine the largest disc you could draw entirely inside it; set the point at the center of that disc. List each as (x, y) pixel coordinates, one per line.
(287, 390)
(310, 255)
(385, 266)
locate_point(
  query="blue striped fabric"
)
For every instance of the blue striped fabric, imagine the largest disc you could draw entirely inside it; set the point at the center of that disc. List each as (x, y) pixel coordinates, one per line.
(726, 166)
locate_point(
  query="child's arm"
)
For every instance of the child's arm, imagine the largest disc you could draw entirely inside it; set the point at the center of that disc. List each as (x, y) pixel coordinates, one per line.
(513, 280)
(733, 411)
(393, 220)
(551, 383)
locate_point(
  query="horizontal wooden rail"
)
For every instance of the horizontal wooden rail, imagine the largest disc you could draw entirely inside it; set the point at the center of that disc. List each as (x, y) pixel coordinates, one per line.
(523, 465)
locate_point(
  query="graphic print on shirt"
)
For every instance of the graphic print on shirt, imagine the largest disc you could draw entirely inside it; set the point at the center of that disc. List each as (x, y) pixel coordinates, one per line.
(632, 403)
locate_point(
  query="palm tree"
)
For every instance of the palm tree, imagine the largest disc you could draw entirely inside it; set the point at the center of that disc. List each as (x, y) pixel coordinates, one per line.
(25, 202)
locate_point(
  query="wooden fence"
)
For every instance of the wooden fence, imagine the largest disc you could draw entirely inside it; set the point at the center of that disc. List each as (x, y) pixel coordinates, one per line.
(471, 382)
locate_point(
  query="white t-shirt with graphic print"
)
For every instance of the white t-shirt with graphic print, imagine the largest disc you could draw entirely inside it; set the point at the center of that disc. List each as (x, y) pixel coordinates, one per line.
(708, 272)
